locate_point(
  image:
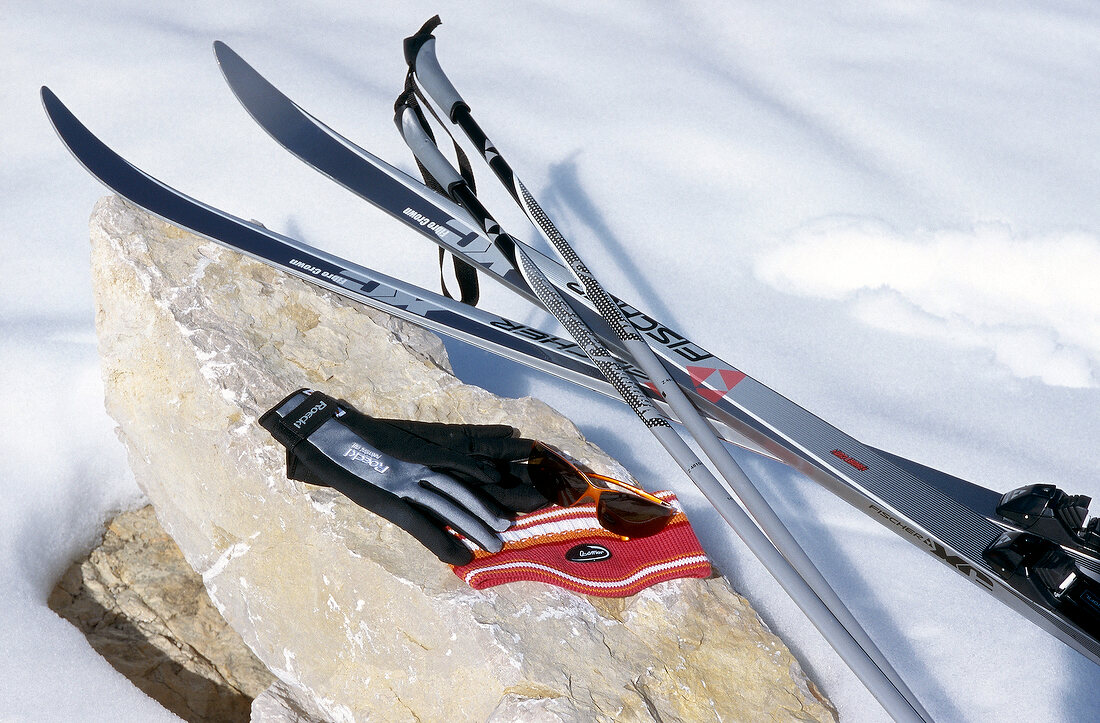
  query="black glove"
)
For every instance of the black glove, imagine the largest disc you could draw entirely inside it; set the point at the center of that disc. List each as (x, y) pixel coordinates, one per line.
(421, 476)
(499, 455)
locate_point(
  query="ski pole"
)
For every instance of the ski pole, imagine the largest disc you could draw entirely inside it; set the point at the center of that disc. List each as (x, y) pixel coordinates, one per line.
(424, 66)
(878, 682)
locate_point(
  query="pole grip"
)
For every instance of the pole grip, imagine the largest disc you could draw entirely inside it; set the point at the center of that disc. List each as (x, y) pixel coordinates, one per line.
(425, 66)
(425, 149)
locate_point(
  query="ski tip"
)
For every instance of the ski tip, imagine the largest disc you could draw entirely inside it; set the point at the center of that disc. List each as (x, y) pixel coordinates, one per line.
(222, 52)
(49, 104)
(232, 64)
(255, 92)
(65, 124)
(52, 105)
(235, 69)
(73, 134)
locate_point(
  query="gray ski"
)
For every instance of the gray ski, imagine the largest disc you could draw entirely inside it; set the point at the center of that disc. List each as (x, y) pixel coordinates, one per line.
(506, 338)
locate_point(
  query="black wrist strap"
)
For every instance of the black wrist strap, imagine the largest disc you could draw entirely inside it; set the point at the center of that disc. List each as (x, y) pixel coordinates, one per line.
(469, 289)
(297, 416)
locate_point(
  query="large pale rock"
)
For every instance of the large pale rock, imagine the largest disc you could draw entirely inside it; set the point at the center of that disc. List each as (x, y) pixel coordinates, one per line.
(354, 618)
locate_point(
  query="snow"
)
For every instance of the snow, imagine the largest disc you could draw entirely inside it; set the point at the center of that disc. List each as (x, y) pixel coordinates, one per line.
(1036, 315)
(885, 211)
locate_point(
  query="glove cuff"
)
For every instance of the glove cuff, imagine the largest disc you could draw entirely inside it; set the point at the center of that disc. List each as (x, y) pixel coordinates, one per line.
(299, 415)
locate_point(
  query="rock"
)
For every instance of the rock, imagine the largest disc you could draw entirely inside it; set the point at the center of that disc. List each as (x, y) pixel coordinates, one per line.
(146, 611)
(277, 704)
(355, 619)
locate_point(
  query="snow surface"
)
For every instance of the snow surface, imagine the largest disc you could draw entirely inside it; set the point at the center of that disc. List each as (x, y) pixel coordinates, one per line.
(884, 210)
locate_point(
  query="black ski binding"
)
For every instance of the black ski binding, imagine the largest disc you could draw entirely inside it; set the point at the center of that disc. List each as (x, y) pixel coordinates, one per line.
(1054, 573)
(1047, 511)
(1049, 518)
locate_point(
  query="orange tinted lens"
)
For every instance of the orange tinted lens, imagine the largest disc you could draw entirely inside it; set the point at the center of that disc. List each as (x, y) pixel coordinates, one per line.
(632, 516)
(554, 478)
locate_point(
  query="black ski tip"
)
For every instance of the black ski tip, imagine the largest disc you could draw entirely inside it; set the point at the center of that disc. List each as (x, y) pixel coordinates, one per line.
(85, 147)
(65, 124)
(233, 66)
(241, 77)
(413, 43)
(53, 106)
(258, 96)
(223, 53)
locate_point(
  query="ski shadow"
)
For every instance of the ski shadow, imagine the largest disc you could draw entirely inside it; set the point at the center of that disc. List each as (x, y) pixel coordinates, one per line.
(503, 377)
(565, 192)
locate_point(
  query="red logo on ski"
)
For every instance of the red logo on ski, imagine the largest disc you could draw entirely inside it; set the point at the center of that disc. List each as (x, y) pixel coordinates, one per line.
(718, 382)
(850, 460)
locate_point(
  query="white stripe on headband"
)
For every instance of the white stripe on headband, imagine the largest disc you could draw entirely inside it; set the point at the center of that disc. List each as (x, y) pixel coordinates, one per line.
(645, 571)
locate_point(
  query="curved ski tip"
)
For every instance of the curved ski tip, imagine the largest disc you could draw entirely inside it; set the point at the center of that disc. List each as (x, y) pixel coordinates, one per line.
(233, 65)
(222, 51)
(228, 58)
(60, 116)
(51, 103)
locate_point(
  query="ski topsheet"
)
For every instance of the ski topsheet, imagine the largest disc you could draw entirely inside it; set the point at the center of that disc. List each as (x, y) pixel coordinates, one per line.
(497, 334)
(952, 519)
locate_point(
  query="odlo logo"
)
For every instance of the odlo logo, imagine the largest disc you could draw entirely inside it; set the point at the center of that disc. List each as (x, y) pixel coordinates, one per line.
(587, 553)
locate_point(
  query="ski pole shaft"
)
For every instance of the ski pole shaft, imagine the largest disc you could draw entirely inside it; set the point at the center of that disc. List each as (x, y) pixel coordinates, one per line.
(880, 684)
(696, 424)
(425, 67)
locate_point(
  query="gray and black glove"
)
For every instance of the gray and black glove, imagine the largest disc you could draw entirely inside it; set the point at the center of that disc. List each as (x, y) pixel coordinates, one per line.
(421, 476)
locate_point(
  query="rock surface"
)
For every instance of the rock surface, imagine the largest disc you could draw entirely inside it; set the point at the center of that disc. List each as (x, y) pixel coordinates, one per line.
(145, 610)
(354, 618)
(278, 704)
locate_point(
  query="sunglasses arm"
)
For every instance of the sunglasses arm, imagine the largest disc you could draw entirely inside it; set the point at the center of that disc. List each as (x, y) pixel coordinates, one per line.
(630, 488)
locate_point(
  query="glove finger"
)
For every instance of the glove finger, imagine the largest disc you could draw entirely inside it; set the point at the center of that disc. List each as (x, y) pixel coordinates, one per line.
(477, 471)
(520, 498)
(515, 473)
(453, 436)
(502, 448)
(471, 504)
(489, 431)
(462, 521)
(392, 438)
(427, 531)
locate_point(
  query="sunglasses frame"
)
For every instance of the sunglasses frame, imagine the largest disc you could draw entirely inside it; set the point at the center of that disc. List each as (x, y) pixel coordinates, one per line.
(593, 492)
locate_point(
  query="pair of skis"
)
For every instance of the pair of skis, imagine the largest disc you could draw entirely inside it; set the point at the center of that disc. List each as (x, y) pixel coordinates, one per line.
(1031, 549)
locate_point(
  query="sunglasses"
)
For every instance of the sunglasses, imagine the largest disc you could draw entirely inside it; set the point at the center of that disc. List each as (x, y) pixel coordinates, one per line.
(621, 508)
